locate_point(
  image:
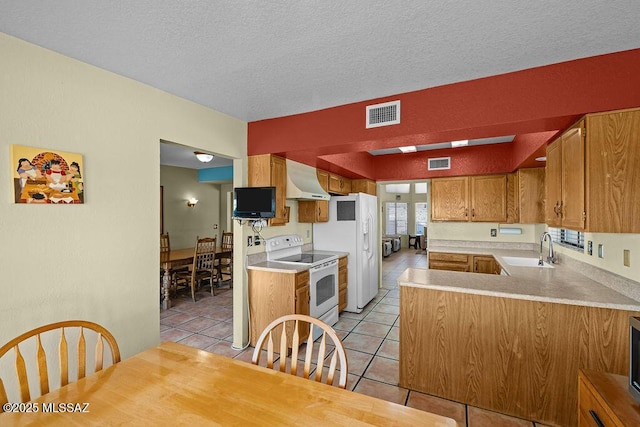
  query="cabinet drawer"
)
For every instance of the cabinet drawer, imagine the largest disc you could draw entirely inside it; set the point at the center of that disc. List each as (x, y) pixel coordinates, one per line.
(590, 409)
(302, 279)
(449, 257)
(450, 266)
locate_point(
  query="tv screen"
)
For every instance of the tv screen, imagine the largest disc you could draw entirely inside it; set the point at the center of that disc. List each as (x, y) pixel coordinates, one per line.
(254, 202)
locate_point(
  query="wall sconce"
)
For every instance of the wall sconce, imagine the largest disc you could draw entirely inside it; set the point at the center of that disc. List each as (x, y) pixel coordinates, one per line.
(192, 202)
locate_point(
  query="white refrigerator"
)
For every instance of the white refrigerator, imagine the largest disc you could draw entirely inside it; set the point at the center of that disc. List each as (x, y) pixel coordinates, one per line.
(352, 228)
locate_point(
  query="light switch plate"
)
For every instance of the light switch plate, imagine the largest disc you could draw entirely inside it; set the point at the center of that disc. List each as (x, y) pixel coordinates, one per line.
(600, 250)
(626, 257)
(494, 232)
(590, 247)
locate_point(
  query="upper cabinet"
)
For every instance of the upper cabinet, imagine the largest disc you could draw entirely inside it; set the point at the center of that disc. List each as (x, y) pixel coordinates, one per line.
(477, 198)
(566, 181)
(363, 186)
(267, 170)
(315, 210)
(339, 185)
(530, 195)
(592, 179)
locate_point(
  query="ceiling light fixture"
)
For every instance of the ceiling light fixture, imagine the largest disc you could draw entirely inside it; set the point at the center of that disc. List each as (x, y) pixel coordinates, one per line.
(461, 143)
(203, 157)
(408, 149)
(192, 202)
(541, 159)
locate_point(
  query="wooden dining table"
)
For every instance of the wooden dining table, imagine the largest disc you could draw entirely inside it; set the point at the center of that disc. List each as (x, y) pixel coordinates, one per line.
(181, 257)
(173, 384)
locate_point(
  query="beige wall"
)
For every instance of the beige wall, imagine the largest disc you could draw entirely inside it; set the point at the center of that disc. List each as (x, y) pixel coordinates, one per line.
(97, 261)
(183, 223)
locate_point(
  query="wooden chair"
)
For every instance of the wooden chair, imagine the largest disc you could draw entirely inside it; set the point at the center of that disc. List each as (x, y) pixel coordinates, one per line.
(63, 355)
(203, 266)
(165, 248)
(290, 338)
(225, 265)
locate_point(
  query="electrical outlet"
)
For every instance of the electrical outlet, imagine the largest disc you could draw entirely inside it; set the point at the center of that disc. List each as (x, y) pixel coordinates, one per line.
(590, 248)
(494, 232)
(249, 241)
(256, 240)
(626, 257)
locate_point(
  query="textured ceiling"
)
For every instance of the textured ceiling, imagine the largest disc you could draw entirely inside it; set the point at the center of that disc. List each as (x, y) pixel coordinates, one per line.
(257, 60)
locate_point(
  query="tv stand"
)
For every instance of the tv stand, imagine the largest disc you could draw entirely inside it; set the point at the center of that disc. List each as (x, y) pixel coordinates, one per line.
(605, 397)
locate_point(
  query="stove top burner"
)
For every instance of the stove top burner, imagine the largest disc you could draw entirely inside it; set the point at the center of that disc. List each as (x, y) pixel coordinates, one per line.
(305, 258)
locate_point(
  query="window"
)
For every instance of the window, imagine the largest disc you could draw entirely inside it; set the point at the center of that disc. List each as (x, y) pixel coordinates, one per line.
(421, 218)
(420, 188)
(396, 214)
(570, 238)
(398, 188)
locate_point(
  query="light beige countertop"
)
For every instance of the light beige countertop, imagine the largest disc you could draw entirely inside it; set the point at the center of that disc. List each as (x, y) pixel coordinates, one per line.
(558, 285)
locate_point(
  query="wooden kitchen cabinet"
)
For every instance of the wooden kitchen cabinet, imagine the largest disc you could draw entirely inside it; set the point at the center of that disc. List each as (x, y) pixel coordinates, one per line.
(343, 281)
(315, 210)
(450, 198)
(485, 264)
(481, 198)
(339, 185)
(274, 294)
(513, 198)
(363, 186)
(604, 397)
(592, 174)
(267, 170)
(449, 261)
(531, 195)
(488, 198)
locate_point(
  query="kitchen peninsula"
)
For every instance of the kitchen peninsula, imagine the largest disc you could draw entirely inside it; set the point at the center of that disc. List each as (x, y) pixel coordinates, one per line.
(512, 344)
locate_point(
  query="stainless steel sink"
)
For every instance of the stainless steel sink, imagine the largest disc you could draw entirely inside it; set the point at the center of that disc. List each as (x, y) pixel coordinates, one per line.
(517, 261)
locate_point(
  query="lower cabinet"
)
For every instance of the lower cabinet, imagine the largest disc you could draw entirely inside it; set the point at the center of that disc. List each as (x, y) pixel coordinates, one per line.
(274, 294)
(343, 280)
(603, 400)
(463, 262)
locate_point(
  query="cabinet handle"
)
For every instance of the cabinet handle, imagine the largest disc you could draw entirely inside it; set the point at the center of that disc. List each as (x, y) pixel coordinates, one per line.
(473, 213)
(560, 210)
(596, 418)
(475, 267)
(466, 212)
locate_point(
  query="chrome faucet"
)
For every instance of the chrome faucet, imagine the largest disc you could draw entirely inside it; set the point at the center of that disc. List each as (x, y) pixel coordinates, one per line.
(551, 259)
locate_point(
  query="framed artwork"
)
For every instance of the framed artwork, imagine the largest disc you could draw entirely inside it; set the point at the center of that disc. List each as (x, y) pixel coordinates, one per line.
(42, 176)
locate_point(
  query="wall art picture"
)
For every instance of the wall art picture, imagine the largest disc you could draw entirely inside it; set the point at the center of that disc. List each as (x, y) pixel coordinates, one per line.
(43, 176)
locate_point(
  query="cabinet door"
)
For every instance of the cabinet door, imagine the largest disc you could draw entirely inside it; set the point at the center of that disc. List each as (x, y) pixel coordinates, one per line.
(489, 198)
(612, 178)
(573, 207)
(484, 264)
(450, 199)
(553, 184)
(279, 180)
(322, 210)
(323, 179)
(343, 275)
(513, 214)
(531, 195)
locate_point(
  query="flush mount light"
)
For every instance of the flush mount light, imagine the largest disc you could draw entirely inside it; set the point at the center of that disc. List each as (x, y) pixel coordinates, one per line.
(203, 157)
(461, 143)
(408, 149)
(541, 159)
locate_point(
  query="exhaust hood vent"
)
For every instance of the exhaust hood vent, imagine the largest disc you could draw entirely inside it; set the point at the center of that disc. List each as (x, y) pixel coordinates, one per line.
(385, 114)
(438, 163)
(302, 183)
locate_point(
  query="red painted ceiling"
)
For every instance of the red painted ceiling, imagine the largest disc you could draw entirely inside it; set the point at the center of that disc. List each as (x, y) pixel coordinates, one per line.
(534, 104)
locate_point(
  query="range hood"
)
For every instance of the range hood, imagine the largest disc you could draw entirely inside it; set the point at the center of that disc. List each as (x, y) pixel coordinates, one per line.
(302, 183)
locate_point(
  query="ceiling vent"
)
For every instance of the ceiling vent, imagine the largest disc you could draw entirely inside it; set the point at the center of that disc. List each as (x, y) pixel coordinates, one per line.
(384, 114)
(438, 163)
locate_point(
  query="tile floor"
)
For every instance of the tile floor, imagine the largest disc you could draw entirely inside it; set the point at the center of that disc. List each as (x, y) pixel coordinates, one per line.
(371, 340)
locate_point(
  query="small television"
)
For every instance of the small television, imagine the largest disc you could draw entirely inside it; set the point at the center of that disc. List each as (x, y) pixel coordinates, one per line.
(634, 357)
(254, 202)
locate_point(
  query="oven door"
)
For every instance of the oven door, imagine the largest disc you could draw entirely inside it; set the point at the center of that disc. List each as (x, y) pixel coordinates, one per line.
(323, 288)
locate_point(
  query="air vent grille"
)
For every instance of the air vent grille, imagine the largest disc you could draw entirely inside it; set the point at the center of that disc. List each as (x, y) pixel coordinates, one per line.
(384, 114)
(438, 163)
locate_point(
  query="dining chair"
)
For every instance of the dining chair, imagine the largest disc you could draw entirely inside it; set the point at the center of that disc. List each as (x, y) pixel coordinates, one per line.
(289, 327)
(165, 248)
(225, 265)
(31, 343)
(203, 267)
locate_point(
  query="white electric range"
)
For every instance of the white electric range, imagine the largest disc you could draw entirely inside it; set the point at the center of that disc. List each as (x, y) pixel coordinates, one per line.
(323, 274)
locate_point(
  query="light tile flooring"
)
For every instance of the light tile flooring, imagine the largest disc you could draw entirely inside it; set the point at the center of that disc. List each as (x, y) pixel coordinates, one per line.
(371, 339)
